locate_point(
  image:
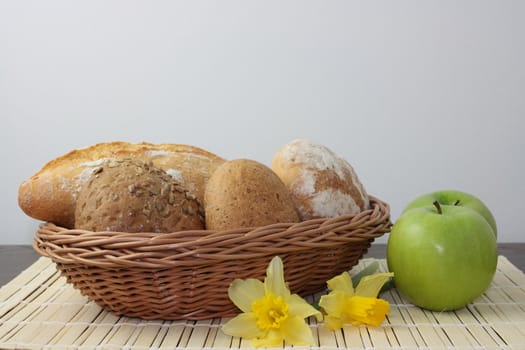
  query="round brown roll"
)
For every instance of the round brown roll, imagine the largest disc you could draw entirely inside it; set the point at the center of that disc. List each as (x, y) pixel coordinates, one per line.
(134, 196)
(246, 193)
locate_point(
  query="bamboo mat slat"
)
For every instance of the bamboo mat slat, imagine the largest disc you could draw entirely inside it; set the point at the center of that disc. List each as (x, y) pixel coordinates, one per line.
(38, 310)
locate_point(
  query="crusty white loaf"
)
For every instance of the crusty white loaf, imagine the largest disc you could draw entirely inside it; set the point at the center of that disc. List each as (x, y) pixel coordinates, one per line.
(322, 183)
(51, 194)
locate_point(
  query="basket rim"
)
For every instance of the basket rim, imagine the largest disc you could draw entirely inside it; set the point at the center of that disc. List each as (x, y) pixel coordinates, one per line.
(151, 250)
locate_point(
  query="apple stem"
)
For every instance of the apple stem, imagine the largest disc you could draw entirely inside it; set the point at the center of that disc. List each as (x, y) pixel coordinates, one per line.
(438, 207)
(457, 202)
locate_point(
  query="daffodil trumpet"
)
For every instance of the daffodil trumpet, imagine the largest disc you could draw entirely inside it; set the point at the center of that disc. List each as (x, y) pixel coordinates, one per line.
(271, 315)
(344, 305)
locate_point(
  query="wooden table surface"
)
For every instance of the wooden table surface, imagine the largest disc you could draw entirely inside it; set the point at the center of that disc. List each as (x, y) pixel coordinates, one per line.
(15, 258)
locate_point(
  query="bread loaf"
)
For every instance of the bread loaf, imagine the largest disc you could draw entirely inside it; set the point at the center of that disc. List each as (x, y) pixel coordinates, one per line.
(134, 196)
(246, 193)
(51, 193)
(322, 183)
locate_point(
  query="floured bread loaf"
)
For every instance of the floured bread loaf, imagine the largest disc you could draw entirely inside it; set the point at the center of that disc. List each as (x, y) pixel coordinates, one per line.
(322, 183)
(246, 193)
(51, 194)
(134, 196)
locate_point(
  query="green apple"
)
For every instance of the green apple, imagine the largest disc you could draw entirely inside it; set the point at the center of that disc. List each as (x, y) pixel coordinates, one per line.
(453, 197)
(442, 256)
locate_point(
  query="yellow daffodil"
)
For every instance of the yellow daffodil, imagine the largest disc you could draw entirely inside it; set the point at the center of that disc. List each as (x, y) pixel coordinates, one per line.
(343, 305)
(271, 314)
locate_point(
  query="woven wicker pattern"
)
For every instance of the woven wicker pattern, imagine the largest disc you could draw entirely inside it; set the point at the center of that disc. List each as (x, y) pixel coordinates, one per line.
(185, 275)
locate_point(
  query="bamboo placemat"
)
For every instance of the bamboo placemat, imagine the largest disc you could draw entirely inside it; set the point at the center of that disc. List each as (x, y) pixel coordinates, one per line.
(38, 310)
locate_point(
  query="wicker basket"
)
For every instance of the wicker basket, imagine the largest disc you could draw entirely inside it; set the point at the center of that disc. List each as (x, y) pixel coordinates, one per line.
(186, 274)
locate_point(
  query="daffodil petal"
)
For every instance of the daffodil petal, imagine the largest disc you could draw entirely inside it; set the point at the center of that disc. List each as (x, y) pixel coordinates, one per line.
(333, 303)
(333, 323)
(243, 325)
(369, 286)
(272, 339)
(296, 332)
(297, 306)
(243, 292)
(274, 282)
(343, 283)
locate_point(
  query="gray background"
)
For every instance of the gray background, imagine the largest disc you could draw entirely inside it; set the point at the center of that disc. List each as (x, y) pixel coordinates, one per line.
(416, 95)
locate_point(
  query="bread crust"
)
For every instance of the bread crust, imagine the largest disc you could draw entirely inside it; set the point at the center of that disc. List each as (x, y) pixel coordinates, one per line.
(322, 183)
(246, 193)
(134, 196)
(51, 193)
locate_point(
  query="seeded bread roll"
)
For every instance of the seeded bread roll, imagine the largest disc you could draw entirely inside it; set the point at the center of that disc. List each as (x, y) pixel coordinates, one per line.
(133, 196)
(322, 183)
(51, 194)
(245, 193)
